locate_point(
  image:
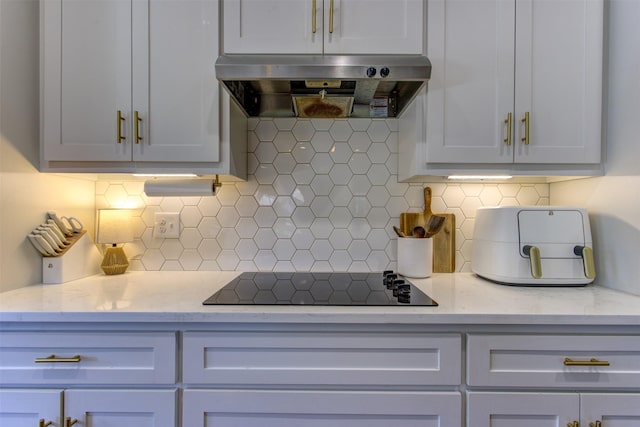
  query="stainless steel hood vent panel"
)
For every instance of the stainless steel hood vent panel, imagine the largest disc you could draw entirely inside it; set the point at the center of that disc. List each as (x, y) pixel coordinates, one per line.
(265, 85)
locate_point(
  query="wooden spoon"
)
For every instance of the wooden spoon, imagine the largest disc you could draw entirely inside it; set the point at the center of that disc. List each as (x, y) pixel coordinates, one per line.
(399, 232)
(434, 225)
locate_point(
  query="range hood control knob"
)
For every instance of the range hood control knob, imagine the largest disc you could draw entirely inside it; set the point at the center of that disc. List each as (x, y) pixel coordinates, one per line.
(384, 72)
(371, 71)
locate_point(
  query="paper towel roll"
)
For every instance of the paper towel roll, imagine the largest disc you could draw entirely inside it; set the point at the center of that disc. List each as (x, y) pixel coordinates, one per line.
(181, 187)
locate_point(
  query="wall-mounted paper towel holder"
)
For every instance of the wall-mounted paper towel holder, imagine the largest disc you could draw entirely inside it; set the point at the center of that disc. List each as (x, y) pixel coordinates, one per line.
(181, 187)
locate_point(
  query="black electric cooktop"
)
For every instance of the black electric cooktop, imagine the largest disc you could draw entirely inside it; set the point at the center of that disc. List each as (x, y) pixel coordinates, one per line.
(344, 289)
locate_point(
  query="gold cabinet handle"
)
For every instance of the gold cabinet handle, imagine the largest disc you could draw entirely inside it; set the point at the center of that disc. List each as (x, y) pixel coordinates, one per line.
(313, 16)
(137, 120)
(120, 120)
(509, 123)
(43, 423)
(55, 359)
(590, 362)
(533, 252)
(331, 4)
(586, 253)
(525, 120)
(596, 424)
(573, 424)
(68, 422)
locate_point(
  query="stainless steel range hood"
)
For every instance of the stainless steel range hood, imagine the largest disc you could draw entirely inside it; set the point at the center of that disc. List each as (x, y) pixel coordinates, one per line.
(323, 85)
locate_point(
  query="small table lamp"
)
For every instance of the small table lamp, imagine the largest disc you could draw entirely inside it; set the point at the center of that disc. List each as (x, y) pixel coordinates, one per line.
(114, 226)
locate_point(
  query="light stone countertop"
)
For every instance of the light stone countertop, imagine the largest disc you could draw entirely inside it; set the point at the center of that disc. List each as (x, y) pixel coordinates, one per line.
(463, 298)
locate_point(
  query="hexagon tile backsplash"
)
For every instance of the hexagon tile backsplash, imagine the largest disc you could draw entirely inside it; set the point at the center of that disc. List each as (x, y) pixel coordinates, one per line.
(322, 195)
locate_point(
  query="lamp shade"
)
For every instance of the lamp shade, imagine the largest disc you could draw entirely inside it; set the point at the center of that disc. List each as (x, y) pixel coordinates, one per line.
(114, 226)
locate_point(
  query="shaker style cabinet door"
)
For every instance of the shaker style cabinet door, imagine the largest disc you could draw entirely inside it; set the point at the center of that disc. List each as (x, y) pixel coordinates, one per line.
(305, 408)
(175, 91)
(559, 49)
(374, 26)
(471, 47)
(272, 26)
(30, 408)
(122, 408)
(522, 409)
(86, 79)
(323, 26)
(610, 409)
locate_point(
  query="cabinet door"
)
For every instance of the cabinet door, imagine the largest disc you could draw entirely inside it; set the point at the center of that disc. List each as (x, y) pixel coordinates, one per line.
(521, 409)
(250, 408)
(470, 44)
(374, 26)
(559, 47)
(86, 79)
(175, 92)
(612, 410)
(272, 26)
(122, 408)
(25, 408)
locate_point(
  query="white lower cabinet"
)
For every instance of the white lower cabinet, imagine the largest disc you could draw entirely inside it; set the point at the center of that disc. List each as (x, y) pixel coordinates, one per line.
(30, 408)
(503, 409)
(306, 408)
(553, 380)
(268, 375)
(610, 409)
(122, 408)
(521, 409)
(88, 408)
(95, 379)
(326, 359)
(321, 378)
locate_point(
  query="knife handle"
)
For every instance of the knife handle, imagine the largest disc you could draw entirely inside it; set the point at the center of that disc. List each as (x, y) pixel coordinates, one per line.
(59, 223)
(53, 227)
(48, 238)
(41, 245)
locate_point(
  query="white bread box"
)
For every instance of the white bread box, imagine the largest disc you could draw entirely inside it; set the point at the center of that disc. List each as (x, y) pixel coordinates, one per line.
(533, 245)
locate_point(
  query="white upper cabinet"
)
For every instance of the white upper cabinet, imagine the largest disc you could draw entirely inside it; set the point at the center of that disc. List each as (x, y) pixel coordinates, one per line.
(130, 81)
(272, 26)
(87, 79)
(559, 50)
(514, 81)
(175, 89)
(329, 26)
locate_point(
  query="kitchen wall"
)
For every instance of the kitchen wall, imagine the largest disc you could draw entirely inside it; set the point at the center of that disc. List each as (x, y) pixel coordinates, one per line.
(321, 195)
(25, 194)
(613, 201)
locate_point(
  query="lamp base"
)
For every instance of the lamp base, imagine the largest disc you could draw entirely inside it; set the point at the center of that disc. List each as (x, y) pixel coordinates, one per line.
(115, 261)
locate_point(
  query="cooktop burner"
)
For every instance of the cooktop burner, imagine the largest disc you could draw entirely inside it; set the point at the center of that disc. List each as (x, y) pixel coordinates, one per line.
(286, 288)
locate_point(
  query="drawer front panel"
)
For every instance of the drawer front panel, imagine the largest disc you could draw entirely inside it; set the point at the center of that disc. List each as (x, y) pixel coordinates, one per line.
(250, 408)
(312, 358)
(87, 358)
(583, 361)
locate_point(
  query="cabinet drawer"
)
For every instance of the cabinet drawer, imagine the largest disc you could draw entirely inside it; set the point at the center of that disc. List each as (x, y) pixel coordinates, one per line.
(317, 358)
(87, 358)
(554, 361)
(270, 408)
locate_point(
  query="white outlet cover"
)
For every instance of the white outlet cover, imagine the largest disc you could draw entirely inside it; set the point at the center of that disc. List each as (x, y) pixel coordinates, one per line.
(167, 225)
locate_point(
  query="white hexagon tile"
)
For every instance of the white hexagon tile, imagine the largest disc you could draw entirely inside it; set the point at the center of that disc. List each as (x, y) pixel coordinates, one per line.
(321, 195)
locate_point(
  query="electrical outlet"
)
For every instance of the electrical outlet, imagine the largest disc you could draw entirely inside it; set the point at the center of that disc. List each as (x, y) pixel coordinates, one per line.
(167, 225)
